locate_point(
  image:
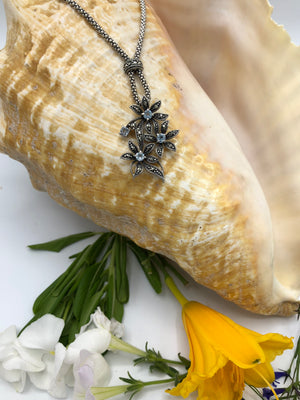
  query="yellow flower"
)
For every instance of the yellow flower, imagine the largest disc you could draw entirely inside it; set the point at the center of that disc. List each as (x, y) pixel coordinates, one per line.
(224, 355)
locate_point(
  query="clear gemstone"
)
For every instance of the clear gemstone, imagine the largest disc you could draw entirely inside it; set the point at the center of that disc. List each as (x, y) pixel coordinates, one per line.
(147, 114)
(161, 137)
(140, 156)
(124, 131)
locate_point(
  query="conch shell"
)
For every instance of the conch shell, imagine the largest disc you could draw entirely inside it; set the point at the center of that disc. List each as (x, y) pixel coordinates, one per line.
(248, 66)
(64, 98)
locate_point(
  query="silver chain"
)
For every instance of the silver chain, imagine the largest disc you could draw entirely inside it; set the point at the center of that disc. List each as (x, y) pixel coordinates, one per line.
(149, 126)
(133, 67)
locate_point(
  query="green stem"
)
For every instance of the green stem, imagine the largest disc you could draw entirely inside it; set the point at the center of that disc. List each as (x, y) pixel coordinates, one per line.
(165, 360)
(119, 344)
(161, 381)
(67, 310)
(175, 291)
(102, 393)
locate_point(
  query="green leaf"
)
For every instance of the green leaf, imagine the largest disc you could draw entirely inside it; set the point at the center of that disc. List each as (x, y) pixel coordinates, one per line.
(72, 327)
(144, 258)
(83, 291)
(90, 306)
(184, 361)
(58, 244)
(58, 287)
(118, 311)
(97, 247)
(163, 263)
(122, 285)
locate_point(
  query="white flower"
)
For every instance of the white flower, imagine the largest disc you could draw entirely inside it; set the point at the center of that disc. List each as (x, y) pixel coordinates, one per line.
(90, 370)
(93, 340)
(49, 364)
(16, 378)
(32, 352)
(99, 320)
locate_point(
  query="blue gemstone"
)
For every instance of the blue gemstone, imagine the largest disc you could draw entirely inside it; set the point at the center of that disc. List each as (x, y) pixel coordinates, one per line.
(140, 156)
(161, 137)
(124, 131)
(147, 114)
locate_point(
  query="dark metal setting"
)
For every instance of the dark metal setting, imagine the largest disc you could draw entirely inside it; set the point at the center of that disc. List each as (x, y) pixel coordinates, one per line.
(133, 66)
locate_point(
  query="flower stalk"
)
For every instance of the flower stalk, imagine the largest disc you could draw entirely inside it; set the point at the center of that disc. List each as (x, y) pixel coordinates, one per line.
(119, 344)
(174, 290)
(133, 387)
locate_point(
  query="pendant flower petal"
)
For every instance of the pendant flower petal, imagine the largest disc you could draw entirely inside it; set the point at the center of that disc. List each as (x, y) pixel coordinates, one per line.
(147, 114)
(143, 160)
(161, 138)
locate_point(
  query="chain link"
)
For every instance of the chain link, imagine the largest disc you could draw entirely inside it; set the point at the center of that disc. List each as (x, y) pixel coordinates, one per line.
(133, 73)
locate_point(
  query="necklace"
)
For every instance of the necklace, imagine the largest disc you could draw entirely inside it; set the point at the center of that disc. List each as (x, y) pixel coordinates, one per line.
(150, 127)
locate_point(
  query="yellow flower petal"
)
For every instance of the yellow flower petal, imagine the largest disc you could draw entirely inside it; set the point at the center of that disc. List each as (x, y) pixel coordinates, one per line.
(205, 362)
(272, 344)
(255, 379)
(187, 386)
(205, 359)
(213, 328)
(226, 384)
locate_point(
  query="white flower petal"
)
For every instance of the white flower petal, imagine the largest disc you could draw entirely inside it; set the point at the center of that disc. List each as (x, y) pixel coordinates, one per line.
(116, 328)
(93, 340)
(85, 376)
(43, 333)
(10, 376)
(100, 320)
(59, 390)
(8, 336)
(91, 369)
(32, 358)
(60, 354)
(7, 352)
(43, 379)
(90, 324)
(70, 381)
(20, 385)
(7, 339)
(58, 386)
(16, 378)
(89, 396)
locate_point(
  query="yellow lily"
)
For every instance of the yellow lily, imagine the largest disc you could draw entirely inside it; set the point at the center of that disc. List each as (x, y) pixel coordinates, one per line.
(223, 354)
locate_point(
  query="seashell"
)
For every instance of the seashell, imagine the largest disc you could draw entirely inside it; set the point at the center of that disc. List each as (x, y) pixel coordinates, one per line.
(64, 98)
(250, 69)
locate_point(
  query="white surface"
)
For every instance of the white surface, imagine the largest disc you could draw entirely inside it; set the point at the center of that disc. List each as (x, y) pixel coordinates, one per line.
(28, 216)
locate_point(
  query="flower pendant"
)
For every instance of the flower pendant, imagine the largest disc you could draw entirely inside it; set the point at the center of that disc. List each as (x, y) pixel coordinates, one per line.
(150, 126)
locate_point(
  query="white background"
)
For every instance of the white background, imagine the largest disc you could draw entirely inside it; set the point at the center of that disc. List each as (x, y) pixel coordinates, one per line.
(28, 216)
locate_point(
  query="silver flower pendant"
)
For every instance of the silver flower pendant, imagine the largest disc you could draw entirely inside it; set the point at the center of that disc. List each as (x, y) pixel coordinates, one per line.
(150, 126)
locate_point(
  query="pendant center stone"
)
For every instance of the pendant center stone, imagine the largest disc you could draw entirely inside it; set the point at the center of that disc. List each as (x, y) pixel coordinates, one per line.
(161, 137)
(147, 114)
(140, 156)
(124, 131)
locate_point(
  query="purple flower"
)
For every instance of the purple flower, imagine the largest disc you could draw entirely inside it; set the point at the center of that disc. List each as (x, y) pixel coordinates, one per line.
(268, 394)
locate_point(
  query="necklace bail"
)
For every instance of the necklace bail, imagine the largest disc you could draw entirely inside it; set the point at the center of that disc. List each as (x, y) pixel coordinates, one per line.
(133, 65)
